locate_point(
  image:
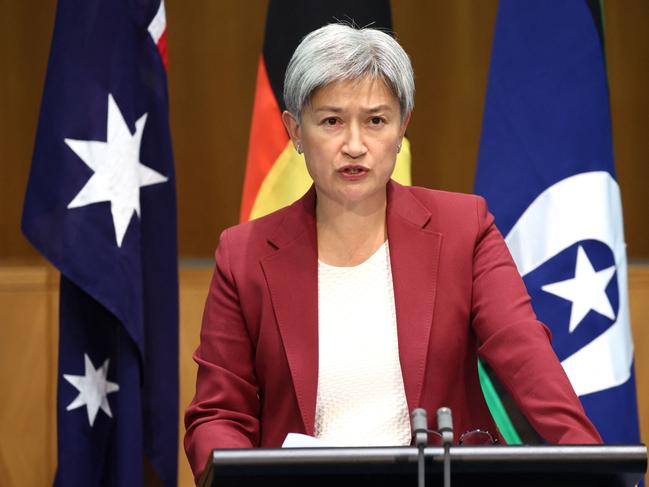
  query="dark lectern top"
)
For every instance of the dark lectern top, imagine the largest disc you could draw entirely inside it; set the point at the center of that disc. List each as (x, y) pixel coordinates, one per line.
(554, 466)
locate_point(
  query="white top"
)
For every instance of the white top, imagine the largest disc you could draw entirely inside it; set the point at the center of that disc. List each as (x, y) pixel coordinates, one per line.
(361, 400)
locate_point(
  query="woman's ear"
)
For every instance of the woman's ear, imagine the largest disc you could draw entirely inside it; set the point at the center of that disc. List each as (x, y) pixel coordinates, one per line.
(402, 131)
(293, 129)
(404, 125)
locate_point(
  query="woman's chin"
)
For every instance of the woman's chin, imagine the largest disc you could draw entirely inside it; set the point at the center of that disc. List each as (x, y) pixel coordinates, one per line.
(360, 195)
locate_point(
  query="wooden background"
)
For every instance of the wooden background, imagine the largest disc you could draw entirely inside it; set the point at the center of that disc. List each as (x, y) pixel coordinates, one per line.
(213, 52)
(29, 299)
(214, 48)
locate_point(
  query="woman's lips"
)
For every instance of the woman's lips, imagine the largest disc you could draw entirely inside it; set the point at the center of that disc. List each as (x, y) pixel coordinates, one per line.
(353, 172)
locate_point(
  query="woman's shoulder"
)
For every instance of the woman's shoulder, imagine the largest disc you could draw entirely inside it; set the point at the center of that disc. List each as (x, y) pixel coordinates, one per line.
(258, 229)
(259, 236)
(462, 218)
(446, 201)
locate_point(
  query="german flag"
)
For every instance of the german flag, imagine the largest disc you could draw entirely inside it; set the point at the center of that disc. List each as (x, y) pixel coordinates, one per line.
(276, 174)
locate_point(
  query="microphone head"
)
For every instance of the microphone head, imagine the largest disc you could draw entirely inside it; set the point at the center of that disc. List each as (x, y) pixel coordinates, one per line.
(420, 427)
(419, 420)
(444, 419)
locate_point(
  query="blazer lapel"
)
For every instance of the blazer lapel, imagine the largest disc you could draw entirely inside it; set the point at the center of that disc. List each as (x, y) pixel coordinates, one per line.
(292, 277)
(414, 257)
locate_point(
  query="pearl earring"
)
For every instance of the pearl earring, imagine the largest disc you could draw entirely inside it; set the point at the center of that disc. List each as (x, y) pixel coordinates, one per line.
(298, 148)
(398, 148)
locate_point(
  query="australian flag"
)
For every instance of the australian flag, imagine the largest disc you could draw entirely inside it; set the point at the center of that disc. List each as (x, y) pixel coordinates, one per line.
(546, 168)
(100, 205)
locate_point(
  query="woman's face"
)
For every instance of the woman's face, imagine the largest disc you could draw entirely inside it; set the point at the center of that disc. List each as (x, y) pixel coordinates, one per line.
(350, 133)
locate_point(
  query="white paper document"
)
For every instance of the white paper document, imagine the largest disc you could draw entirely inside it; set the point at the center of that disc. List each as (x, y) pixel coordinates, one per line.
(298, 440)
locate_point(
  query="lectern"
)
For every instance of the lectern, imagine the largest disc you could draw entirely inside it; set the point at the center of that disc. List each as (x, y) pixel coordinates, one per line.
(502, 466)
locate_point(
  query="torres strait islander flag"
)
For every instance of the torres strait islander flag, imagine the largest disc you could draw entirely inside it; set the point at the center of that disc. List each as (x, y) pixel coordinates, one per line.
(276, 174)
(546, 168)
(100, 205)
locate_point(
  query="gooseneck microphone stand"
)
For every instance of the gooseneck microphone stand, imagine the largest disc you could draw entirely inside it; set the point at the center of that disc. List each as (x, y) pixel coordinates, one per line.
(445, 427)
(420, 431)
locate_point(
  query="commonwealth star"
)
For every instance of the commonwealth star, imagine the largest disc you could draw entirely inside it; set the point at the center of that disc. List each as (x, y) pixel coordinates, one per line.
(118, 172)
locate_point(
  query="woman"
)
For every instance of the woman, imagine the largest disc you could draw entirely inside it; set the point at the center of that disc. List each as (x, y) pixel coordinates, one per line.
(365, 299)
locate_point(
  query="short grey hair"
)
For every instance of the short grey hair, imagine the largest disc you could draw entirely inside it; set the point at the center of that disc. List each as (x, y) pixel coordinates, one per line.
(338, 52)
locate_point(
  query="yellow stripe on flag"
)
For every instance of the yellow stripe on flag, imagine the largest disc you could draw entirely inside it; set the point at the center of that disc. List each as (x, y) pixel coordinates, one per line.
(288, 179)
(401, 173)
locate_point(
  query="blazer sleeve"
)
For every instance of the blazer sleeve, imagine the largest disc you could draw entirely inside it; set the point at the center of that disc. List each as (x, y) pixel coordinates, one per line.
(517, 346)
(225, 410)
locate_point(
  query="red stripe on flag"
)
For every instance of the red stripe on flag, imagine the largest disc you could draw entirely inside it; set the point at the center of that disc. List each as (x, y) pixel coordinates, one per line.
(162, 47)
(268, 139)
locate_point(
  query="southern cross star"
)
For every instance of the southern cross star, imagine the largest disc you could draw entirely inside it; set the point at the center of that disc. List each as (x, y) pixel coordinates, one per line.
(587, 290)
(118, 172)
(93, 389)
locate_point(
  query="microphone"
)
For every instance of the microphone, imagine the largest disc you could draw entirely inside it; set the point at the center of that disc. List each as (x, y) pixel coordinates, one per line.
(420, 430)
(420, 427)
(445, 425)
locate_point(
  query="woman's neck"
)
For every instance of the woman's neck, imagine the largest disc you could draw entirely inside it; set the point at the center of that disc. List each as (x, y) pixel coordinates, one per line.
(349, 235)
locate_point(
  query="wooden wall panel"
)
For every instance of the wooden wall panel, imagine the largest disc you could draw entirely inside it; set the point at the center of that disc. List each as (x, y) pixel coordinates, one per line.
(627, 56)
(28, 364)
(449, 44)
(25, 35)
(639, 307)
(214, 48)
(194, 283)
(29, 300)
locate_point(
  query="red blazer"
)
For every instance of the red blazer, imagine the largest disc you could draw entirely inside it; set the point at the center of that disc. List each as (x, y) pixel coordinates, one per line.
(457, 295)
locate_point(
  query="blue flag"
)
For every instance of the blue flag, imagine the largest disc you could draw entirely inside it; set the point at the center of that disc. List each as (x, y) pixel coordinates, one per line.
(546, 168)
(100, 205)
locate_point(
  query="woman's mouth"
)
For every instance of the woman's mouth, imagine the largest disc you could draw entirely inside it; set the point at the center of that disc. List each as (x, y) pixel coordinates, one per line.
(353, 172)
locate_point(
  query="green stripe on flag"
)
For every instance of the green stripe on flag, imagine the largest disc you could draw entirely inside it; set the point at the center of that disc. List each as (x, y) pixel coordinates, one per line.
(497, 408)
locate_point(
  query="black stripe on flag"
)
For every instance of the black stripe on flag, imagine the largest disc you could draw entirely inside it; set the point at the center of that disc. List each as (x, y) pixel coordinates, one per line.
(289, 21)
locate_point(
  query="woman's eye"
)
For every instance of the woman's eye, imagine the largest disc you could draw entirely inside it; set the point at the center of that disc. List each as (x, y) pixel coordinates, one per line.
(376, 120)
(331, 121)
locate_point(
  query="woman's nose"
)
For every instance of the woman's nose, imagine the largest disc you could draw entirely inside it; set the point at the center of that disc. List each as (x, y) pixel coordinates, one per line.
(354, 146)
